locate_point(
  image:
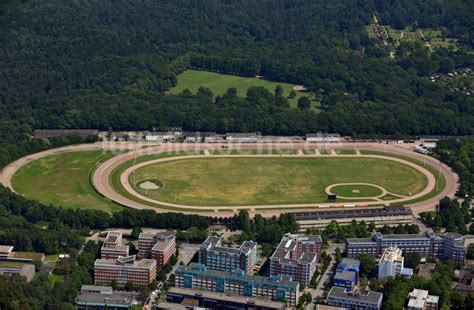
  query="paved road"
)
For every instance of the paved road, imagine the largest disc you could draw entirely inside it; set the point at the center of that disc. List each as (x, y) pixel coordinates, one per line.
(331, 250)
(100, 177)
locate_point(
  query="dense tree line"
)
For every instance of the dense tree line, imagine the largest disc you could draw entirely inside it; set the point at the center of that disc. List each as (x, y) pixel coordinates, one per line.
(102, 64)
(451, 215)
(396, 289)
(339, 233)
(32, 226)
(42, 293)
(260, 229)
(459, 154)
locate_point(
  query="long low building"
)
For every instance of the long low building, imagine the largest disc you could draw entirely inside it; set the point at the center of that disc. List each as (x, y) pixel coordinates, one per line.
(447, 246)
(369, 300)
(177, 297)
(380, 216)
(93, 297)
(197, 276)
(50, 133)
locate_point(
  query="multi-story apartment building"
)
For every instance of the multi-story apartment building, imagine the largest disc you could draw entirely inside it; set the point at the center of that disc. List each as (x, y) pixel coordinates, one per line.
(448, 246)
(159, 246)
(198, 276)
(420, 300)
(216, 257)
(113, 247)
(124, 270)
(296, 256)
(340, 297)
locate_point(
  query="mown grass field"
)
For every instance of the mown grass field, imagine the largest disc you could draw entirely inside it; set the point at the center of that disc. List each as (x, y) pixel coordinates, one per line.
(261, 181)
(356, 191)
(441, 181)
(63, 180)
(220, 83)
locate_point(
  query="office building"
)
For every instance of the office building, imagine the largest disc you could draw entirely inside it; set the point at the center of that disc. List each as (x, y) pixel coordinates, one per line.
(198, 276)
(454, 247)
(216, 257)
(159, 246)
(176, 297)
(345, 279)
(420, 300)
(448, 246)
(347, 274)
(391, 264)
(367, 300)
(124, 270)
(13, 268)
(7, 254)
(113, 247)
(93, 297)
(296, 256)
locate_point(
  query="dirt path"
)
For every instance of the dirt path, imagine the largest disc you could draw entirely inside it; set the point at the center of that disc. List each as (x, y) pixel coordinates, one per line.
(101, 175)
(105, 188)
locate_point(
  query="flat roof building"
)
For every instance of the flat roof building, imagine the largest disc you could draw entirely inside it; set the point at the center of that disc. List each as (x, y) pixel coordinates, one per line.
(388, 215)
(113, 247)
(196, 137)
(296, 256)
(159, 246)
(323, 137)
(448, 246)
(368, 300)
(421, 300)
(7, 253)
(391, 264)
(241, 137)
(25, 270)
(347, 274)
(216, 257)
(198, 276)
(93, 297)
(124, 270)
(49, 133)
(213, 300)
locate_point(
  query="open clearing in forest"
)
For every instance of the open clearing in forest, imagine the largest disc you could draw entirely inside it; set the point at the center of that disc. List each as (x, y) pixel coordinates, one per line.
(220, 83)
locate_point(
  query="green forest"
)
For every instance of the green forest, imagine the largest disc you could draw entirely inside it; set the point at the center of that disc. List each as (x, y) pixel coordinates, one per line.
(107, 64)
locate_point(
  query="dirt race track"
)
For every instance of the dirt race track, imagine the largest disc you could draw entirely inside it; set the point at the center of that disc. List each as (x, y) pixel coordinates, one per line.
(100, 178)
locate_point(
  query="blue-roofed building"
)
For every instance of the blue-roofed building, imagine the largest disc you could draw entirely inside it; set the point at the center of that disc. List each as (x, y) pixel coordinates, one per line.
(345, 279)
(347, 273)
(198, 276)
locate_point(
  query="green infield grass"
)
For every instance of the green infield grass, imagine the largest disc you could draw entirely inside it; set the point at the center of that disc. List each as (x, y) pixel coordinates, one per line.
(356, 190)
(220, 83)
(441, 180)
(63, 180)
(262, 181)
